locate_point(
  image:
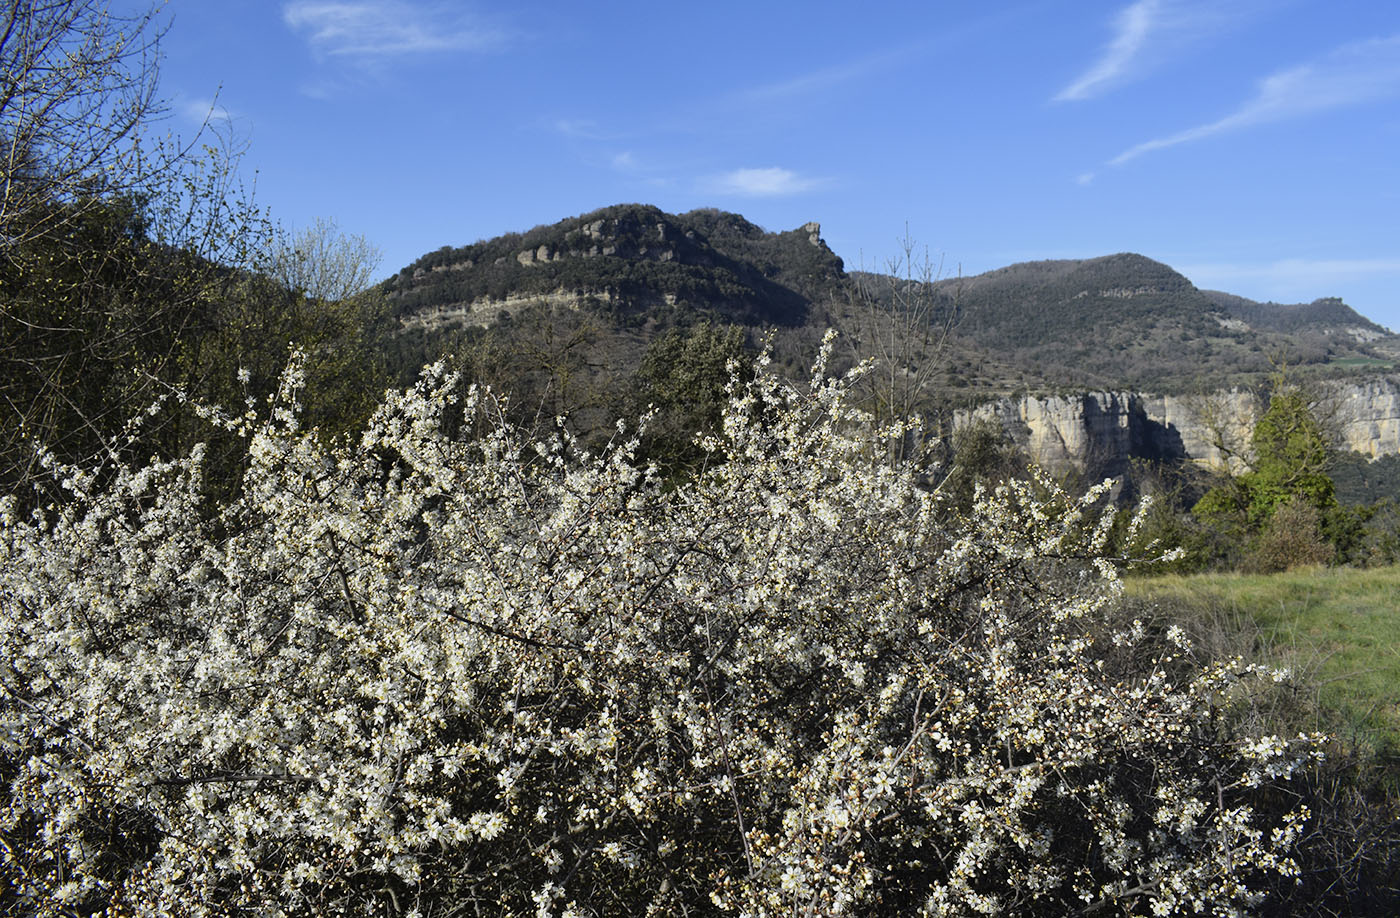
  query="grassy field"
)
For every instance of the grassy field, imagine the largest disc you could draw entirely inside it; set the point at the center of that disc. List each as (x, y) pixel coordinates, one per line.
(1339, 627)
(1354, 363)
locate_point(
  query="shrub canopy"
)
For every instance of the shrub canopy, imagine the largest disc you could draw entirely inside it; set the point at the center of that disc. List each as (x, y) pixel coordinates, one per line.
(450, 667)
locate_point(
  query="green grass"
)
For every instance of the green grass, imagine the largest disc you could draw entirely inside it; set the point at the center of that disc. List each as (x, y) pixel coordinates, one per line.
(1339, 627)
(1370, 363)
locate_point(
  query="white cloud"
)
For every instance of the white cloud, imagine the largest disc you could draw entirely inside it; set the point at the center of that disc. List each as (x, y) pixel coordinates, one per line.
(1149, 32)
(369, 30)
(625, 161)
(1133, 26)
(763, 183)
(1354, 74)
(1288, 272)
(580, 128)
(1084, 178)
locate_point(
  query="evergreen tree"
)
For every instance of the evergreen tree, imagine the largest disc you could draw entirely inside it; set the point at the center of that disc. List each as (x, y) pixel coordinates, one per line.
(1292, 457)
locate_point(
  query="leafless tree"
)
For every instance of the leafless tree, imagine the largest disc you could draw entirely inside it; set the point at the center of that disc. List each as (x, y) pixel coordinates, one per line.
(905, 322)
(1226, 417)
(322, 263)
(77, 85)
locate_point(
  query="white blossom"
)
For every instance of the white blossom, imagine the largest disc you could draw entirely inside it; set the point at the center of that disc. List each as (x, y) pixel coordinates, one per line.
(422, 671)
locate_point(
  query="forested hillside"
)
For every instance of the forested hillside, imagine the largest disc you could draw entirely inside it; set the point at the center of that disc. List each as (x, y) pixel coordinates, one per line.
(1125, 321)
(1328, 315)
(1120, 321)
(630, 257)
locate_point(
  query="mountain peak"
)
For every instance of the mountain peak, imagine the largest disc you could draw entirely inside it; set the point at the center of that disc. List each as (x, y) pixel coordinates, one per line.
(1122, 319)
(635, 257)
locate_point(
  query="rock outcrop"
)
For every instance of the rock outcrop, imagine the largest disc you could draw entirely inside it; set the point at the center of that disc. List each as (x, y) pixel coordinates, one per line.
(638, 257)
(1366, 416)
(1099, 433)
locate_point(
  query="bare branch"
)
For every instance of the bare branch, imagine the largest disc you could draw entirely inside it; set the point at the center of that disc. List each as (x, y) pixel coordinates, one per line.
(77, 86)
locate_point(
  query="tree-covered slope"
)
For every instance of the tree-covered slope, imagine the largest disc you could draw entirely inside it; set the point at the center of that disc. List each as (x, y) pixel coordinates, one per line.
(1118, 321)
(1128, 321)
(632, 257)
(1326, 314)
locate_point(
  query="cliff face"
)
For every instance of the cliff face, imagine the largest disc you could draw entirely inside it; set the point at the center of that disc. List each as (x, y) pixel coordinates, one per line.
(1367, 415)
(1099, 432)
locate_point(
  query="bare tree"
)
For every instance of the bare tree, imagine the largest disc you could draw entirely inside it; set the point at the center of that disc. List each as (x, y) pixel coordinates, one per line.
(114, 243)
(905, 322)
(1226, 418)
(322, 263)
(77, 84)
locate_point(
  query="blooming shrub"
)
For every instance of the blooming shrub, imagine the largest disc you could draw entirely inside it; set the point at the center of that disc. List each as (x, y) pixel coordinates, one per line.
(459, 675)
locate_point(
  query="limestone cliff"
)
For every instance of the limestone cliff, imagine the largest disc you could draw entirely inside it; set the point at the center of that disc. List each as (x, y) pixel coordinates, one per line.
(1366, 416)
(1099, 432)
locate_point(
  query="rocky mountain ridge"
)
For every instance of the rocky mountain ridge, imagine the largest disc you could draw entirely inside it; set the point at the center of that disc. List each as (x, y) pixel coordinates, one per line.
(1127, 337)
(628, 259)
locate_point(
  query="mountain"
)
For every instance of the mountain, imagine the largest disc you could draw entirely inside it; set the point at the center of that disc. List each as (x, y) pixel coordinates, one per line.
(1119, 321)
(1327, 314)
(1128, 321)
(628, 259)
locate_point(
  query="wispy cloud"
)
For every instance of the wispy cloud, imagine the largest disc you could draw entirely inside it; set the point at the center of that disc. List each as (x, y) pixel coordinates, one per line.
(762, 183)
(579, 128)
(818, 84)
(1149, 32)
(1288, 273)
(1354, 74)
(208, 117)
(1132, 28)
(819, 81)
(206, 110)
(374, 30)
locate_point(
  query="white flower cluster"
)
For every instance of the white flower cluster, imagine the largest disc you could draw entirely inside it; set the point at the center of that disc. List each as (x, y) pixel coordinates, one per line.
(480, 675)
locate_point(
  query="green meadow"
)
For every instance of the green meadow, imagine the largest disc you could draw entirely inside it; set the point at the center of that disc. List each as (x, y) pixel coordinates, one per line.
(1337, 628)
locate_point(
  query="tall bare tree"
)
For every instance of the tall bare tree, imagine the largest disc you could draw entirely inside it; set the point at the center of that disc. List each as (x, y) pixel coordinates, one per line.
(322, 263)
(905, 322)
(113, 242)
(77, 84)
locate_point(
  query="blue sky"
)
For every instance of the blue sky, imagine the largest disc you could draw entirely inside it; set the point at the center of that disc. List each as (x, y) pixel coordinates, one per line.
(1254, 145)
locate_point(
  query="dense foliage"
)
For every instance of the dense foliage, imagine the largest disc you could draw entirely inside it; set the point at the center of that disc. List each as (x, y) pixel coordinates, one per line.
(684, 379)
(433, 672)
(1281, 510)
(90, 320)
(112, 316)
